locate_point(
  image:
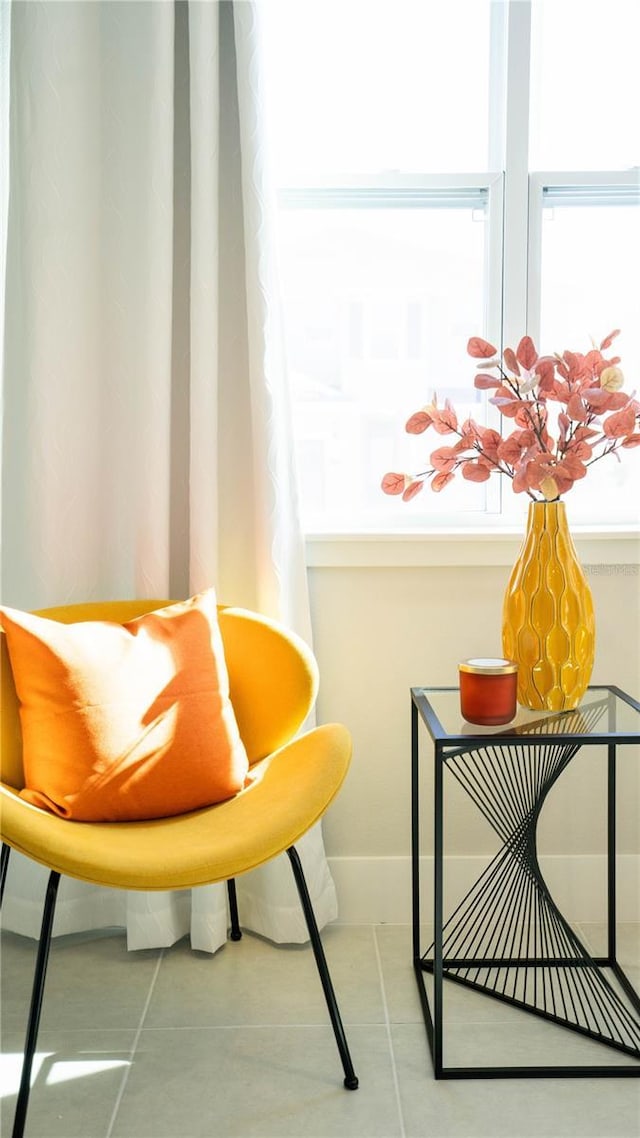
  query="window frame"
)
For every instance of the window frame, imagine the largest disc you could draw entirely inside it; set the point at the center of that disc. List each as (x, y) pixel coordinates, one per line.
(396, 190)
(515, 199)
(604, 187)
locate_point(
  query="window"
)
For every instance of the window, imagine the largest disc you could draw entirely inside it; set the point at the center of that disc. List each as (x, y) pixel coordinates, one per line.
(435, 183)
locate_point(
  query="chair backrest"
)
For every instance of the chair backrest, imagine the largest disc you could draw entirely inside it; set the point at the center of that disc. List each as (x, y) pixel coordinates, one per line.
(273, 677)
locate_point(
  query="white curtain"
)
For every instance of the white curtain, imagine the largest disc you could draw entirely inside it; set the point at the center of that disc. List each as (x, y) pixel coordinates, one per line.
(146, 435)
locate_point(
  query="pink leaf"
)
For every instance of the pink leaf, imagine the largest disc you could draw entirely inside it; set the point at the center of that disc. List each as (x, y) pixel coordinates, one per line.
(475, 471)
(483, 381)
(418, 423)
(520, 481)
(619, 424)
(545, 370)
(467, 442)
(506, 402)
(510, 449)
(631, 441)
(593, 363)
(444, 422)
(560, 392)
(509, 357)
(617, 400)
(580, 449)
(608, 340)
(489, 441)
(576, 367)
(523, 415)
(526, 353)
(572, 466)
(480, 349)
(440, 481)
(577, 410)
(412, 489)
(563, 479)
(470, 433)
(601, 400)
(393, 483)
(444, 458)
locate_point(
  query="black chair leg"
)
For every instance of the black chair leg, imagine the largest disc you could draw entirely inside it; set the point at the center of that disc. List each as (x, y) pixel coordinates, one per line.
(236, 932)
(36, 1005)
(350, 1079)
(4, 865)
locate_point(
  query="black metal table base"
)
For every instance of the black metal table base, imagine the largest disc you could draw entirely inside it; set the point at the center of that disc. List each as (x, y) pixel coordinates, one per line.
(624, 1022)
(507, 938)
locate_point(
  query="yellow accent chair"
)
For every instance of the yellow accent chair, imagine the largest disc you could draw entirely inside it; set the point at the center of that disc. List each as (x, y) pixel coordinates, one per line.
(292, 780)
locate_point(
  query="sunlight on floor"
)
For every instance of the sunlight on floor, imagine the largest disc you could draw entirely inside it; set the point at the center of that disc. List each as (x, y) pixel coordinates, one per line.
(59, 1070)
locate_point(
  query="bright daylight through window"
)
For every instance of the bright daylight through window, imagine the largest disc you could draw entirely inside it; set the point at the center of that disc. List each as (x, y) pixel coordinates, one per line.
(447, 170)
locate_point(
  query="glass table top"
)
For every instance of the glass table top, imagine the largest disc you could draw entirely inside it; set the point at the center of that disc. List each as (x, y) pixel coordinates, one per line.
(604, 713)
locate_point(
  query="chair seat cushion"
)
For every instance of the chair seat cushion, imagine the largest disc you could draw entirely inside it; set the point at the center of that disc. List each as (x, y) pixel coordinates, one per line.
(122, 722)
(284, 795)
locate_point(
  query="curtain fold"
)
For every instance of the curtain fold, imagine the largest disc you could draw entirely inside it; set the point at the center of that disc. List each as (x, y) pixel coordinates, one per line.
(147, 447)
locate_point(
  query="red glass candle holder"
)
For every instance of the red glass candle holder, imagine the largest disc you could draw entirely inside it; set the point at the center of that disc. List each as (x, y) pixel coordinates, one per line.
(488, 689)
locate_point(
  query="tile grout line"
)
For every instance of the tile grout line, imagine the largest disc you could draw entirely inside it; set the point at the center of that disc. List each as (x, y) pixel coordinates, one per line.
(134, 1046)
(387, 1023)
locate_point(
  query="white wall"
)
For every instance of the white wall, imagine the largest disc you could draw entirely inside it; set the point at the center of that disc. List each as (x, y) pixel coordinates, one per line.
(379, 631)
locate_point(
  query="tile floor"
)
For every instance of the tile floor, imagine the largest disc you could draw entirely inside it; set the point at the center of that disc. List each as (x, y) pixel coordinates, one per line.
(176, 1044)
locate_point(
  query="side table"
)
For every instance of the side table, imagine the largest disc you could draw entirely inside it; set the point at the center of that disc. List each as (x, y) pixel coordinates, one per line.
(507, 937)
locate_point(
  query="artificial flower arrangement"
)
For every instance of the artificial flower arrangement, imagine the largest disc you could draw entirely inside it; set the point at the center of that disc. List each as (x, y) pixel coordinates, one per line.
(594, 418)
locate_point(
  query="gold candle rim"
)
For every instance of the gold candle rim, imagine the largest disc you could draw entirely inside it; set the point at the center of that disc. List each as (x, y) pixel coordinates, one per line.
(488, 666)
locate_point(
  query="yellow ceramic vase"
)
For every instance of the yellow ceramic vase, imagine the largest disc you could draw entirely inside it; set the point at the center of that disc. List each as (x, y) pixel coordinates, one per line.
(548, 623)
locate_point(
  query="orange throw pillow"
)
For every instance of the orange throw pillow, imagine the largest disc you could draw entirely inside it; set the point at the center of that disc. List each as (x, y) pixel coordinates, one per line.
(126, 721)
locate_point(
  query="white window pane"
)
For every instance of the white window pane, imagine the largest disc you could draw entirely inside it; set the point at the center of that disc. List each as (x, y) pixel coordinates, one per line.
(365, 86)
(379, 304)
(590, 258)
(584, 85)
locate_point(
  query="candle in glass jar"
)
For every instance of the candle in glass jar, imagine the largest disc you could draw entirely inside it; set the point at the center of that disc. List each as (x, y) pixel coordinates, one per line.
(488, 690)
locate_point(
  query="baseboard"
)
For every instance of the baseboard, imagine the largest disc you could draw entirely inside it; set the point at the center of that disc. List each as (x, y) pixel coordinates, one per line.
(377, 890)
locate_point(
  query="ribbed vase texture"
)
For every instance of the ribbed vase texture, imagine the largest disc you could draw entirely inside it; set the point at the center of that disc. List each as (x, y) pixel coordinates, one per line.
(548, 622)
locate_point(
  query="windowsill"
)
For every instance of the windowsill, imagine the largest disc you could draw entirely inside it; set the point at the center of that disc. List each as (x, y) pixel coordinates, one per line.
(608, 546)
